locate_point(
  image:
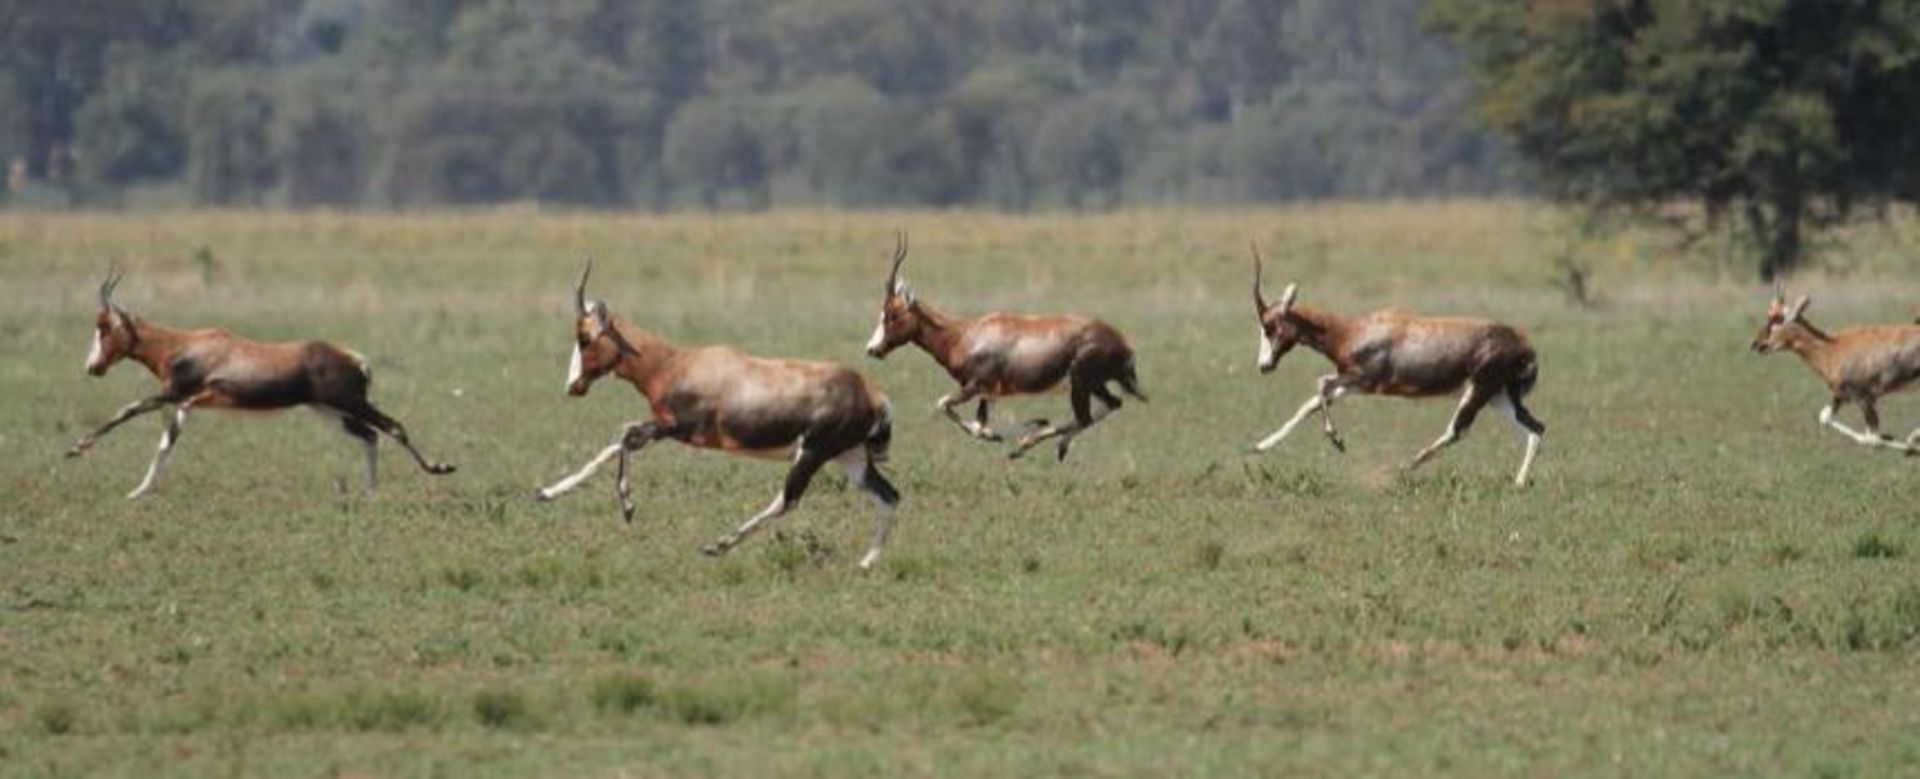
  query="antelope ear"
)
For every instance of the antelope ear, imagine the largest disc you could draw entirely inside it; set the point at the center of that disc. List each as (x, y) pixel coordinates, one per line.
(906, 293)
(598, 308)
(1799, 308)
(1287, 297)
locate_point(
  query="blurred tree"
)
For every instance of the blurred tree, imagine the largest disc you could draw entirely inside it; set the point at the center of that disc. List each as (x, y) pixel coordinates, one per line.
(229, 114)
(1793, 112)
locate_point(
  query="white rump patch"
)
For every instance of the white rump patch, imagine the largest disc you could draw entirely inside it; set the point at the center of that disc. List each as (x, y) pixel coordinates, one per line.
(575, 366)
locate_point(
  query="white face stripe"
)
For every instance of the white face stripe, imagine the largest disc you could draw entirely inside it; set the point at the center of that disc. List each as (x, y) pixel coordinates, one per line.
(1266, 350)
(98, 352)
(879, 338)
(575, 366)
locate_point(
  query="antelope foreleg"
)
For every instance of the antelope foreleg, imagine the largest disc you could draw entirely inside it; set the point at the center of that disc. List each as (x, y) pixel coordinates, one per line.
(1330, 390)
(574, 479)
(126, 412)
(976, 428)
(1313, 404)
(167, 439)
(1864, 438)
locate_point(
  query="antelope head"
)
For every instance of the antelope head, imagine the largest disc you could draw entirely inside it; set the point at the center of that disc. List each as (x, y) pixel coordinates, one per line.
(900, 317)
(1782, 324)
(597, 345)
(1278, 334)
(114, 336)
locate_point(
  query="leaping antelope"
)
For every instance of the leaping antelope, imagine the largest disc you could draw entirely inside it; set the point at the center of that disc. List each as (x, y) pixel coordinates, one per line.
(212, 368)
(1859, 364)
(1391, 352)
(999, 354)
(716, 397)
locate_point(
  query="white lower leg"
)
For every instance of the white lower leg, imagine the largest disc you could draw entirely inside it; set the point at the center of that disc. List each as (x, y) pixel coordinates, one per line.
(733, 539)
(566, 485)
(1446, 438)
(882, 527)
(1512, 413)
(1313, 404)
(1859, 437)
(167, 439)
(1526, 462)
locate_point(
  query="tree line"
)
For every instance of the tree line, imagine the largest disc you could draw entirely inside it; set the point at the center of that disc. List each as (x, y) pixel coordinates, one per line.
(736, 103)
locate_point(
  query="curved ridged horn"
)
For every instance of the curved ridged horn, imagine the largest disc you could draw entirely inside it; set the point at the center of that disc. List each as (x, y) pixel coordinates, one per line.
(899, 256)
(106, 287)
(1259, 300)
(580, 290)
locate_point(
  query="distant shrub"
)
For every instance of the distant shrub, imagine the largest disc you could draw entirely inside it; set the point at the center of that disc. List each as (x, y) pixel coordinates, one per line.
(388, 710)
(502, 709)
(623, 693)
(729, 700)
(1872, 545)
(56, 718)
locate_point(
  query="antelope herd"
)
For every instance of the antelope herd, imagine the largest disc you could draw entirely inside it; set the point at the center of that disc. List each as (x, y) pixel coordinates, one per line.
(811, 413)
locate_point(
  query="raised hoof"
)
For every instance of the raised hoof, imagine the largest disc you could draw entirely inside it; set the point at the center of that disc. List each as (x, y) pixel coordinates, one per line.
(1060, 452)
(626, 514)
(1338, 445)
(441, 469)
(78, 449)
(713, 550)
(541, 496)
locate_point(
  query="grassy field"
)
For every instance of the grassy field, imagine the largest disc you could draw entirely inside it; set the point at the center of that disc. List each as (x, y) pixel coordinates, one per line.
(1701, 580)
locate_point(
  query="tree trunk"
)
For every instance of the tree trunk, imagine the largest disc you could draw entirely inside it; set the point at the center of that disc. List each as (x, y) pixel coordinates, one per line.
(1778, 233)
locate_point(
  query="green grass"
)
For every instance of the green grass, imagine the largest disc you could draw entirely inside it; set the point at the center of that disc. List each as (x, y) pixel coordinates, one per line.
(1701, 581)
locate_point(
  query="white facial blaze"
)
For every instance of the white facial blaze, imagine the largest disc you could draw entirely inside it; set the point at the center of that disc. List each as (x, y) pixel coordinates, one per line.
(879, 338)
(1266, 350)
(575, 366)
(98, 352)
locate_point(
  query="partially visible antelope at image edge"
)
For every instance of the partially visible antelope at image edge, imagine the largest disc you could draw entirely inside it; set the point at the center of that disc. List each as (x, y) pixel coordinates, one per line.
(998, 355)
(1392, 352)
(214, 369)
(1859, 365)
(715, 397)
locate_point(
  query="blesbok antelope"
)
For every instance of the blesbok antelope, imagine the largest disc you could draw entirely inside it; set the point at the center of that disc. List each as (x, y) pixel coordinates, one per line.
(999, 354)
(213, 369)
(716, 397)
(1859, 365)
(1391, 352)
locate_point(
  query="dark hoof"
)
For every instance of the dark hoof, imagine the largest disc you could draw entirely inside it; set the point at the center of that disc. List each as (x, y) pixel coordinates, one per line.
(1338, 445)
(712, 550)
(441, 469)
(626, 514)
(1060, 453)
(541, 496)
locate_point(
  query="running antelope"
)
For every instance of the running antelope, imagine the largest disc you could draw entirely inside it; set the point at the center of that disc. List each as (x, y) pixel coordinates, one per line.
(1859, 364)
(999, 355)
(1391, 352)
(715, 397)
(214, 369)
